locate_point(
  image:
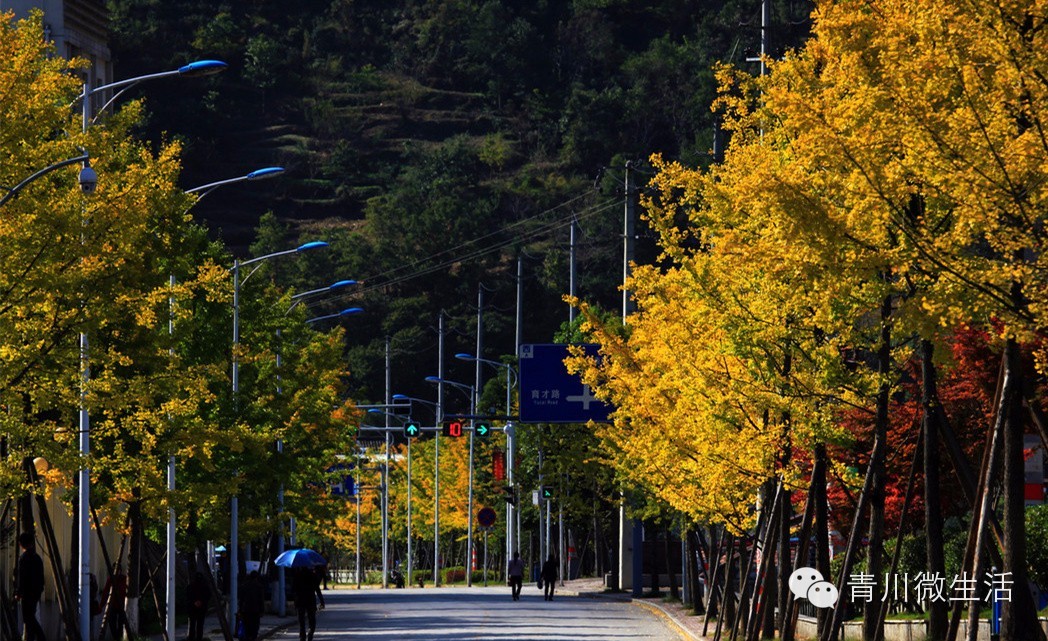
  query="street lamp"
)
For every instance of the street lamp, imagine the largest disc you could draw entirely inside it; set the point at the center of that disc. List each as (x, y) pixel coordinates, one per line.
(345, 312)
(196, 69)
(297, 299)
(201, 191)
(88, 181)
(234, 504)
(469, 504)
(385, 494)
(512, 528)
(258, 174)
(411, 399)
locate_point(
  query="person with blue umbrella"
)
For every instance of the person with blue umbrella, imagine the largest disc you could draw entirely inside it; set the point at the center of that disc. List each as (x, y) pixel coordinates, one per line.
(306, 567)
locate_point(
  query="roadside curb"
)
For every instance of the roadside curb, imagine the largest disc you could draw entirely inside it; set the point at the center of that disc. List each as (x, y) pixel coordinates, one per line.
(659, 611)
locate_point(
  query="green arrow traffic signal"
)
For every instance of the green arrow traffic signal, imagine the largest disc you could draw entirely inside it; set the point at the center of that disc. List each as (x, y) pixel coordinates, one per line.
(482, 429)
(412, 429)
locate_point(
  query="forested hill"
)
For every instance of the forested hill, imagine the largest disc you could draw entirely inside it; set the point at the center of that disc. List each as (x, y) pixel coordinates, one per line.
(419, 125)
(348, 93)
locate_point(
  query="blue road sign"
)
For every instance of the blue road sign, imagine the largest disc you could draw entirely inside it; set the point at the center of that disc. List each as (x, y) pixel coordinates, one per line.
(548, 394)
(342, 484)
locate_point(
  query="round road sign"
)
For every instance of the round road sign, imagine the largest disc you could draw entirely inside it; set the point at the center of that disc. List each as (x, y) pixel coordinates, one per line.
(486, 517)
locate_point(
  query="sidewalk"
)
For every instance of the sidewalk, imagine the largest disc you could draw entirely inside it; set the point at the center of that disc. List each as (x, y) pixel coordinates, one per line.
(687, 625)
(269, 626)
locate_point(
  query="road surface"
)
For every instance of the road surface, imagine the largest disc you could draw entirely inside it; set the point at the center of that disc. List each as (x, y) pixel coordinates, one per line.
(454, 614)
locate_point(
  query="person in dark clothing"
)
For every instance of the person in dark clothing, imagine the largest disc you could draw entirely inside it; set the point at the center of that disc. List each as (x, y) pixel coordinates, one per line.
(30, 585)
(114, 594)
(306, 583)
(549, 576)
(252, 605)
(198, 595)
(515, 572)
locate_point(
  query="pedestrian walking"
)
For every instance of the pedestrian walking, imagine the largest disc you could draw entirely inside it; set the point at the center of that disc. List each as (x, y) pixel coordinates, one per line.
(252, 605)
(306, 583)
(515, 572)
(114, 594)
(549, 576)
(30, 585)
(198, 595)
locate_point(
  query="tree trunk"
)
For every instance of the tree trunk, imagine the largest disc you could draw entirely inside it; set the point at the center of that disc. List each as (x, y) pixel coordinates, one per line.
(875, 566)
(937, 610)
(671, 575)
(1019, 621)
(822, 524)
(715, 593)
(656, 553)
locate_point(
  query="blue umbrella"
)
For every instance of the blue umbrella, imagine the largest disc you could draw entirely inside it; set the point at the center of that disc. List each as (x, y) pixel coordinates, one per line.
(300, 558)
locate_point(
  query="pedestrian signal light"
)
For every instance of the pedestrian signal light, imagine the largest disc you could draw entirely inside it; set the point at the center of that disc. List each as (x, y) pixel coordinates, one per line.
(547, 492)
(509, 494)
(453, 428)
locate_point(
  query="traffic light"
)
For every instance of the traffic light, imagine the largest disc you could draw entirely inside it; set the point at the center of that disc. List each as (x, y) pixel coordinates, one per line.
(412, 429)
(453, 428)
(509, 494)
(482, 428)
(546, 493)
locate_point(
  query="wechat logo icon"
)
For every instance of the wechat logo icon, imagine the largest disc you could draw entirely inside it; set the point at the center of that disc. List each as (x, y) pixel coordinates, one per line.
(808, 583)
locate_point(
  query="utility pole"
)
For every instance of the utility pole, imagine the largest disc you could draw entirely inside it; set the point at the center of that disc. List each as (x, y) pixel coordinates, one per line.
(385, 477)
(571, 267)
(410, 576)
(513, 512)
(630, 570)
(475, 402)
(436, 451)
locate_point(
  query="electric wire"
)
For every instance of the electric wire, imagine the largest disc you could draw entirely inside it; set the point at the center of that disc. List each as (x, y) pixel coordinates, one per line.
(534, 234)
(480, 239)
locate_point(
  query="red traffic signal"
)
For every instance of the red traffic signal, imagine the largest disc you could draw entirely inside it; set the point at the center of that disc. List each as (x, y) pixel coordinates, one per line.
(453, 428)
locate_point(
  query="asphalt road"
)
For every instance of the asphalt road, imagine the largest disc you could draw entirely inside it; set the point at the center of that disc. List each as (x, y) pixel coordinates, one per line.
(453, 614)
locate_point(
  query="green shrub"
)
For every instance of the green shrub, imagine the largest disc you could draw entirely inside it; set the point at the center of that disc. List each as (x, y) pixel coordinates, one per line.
(455, 574)
(1037, 544)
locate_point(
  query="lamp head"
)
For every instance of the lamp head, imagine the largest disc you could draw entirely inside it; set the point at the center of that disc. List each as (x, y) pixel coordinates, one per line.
(351, 310)
(342, 283)
(433, 379)
(316, 244)
(88, 178)
(465, 357)
(265, 172)
(401, 397)
(202, 68)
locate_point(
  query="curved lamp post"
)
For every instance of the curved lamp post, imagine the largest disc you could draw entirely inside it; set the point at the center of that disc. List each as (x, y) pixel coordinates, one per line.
(512, 535)
(234, 503)
(297, 299)
(193, 69)
(471, 391)
(258, 174)
(88, 179)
